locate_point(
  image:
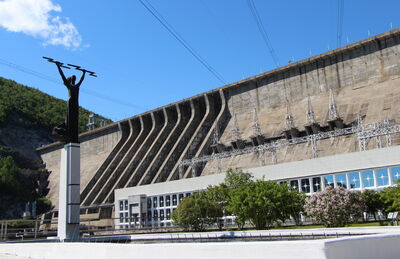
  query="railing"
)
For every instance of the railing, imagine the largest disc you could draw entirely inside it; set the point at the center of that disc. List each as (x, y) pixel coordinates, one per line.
(91, 228)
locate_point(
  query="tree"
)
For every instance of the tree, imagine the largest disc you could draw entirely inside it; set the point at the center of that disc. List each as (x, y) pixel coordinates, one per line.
(235, 178)
(334, 207)
(218, 196)
(196, 212)
(294, 203)
(390, 197)
(262, 203)
(43, 205)
(373, 201)
(9, 183)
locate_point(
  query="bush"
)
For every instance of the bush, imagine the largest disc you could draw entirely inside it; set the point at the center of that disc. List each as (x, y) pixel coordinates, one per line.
(334, 207)
(9, 172)
(373, 201)
(43, 205)
(20, 223)
(390, 197)
(236, 178)
(196, 212)
(263, 203)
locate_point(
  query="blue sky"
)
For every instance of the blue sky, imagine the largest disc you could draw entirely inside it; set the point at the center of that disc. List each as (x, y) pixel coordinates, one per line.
(141, 66)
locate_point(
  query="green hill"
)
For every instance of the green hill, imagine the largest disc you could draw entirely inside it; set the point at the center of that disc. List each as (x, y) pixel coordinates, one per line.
(36, 107)
(27, 117)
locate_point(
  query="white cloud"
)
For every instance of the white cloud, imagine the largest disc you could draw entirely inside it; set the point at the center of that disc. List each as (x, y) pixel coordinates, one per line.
(33, 18)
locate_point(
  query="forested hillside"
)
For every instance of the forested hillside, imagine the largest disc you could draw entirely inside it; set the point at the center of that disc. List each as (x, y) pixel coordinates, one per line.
(37, 108)
(27, 117)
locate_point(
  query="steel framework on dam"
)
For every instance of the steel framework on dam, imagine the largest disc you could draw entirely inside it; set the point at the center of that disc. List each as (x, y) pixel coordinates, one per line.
(364, 134)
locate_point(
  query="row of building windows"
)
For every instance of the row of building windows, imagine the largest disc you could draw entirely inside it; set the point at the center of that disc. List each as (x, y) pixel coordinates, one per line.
(152, 215)
(165, 200)
(374, 178)
(153, 203)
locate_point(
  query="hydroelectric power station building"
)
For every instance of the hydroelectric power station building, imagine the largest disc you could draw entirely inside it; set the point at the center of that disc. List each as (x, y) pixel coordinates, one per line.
(332, 119)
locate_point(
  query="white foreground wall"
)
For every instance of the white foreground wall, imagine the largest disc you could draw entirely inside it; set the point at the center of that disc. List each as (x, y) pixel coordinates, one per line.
(375, 246)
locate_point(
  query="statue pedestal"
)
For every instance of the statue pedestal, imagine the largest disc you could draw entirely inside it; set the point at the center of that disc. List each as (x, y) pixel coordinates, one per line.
(69, 197)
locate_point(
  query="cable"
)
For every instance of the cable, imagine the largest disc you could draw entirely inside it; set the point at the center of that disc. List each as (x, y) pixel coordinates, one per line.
(181, 40)
(340, 11)
(263, 32)
(53, 80)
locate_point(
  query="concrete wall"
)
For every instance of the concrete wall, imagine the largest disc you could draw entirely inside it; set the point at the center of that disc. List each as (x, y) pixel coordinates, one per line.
(364, 77)
(374, 246)
(94, 150)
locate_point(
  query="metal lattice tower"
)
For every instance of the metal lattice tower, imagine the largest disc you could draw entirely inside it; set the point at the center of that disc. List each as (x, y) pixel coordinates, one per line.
(333, 113)
(310, 112)
(219, 166)
(261, 157)
(362, 142)
(386, 123)
(256, 125)
(289, 121)
(181, 170)
(274, 156)
(235, 130)
(314, 150)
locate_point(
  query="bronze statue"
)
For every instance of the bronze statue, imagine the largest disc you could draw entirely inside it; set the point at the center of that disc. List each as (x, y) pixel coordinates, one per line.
(68, 131)
(72, 122)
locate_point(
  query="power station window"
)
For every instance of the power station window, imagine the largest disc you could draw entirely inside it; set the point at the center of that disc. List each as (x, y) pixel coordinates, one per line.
(168, 200)
(154, 202)
(341, 180)
(316, 181)
(121, 205)
(328, 181)
(305, 185)
(354, 179)
(294, 184)
(161, 201)
(368, 179)
(126, 204)
(174, 200)
(180, 197)
(395, 174)
(382, 177)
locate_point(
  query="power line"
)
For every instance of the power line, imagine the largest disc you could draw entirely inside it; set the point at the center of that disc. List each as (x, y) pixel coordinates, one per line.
(340, 11)
(181, 40)
(263, 32)
(55, 81)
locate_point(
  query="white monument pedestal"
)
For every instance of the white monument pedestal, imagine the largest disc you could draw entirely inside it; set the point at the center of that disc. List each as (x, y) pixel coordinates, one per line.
(69, 197)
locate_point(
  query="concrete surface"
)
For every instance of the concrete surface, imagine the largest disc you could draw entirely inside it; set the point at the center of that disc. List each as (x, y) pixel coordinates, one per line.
(374, 246)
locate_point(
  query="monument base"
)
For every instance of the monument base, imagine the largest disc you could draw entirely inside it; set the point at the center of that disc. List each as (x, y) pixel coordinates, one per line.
(69, 197)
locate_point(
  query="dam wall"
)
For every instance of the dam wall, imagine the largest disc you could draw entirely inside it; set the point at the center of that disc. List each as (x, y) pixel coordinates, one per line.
(354, 84)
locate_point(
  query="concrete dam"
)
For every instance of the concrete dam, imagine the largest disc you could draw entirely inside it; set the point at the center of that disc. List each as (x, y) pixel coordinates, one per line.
(344, 100)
